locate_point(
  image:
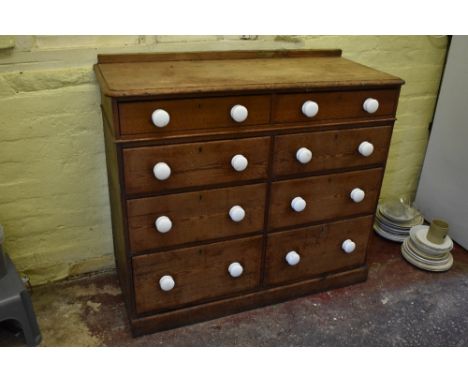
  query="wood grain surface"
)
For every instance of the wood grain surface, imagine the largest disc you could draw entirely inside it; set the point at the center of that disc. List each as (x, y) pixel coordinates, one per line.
(327, 197)
(332, 105)
(200, 273)
(319, 248)
(330, 150)
(194, 164)
(195, 216)
(192, 114)
(202, 76)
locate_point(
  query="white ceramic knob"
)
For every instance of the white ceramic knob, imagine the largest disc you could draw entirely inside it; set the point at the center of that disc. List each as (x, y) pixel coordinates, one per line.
(292, 258)
(348, 246)
(310, 109)
(366, 149)
(304, 155)
(235, 269)
(161, 171)
(166, 283)
(298, 204)
(160, 118)
(239, 162)
(370, 105)
(237, 213)
(239, 113)
(357, 195)
(163, 224)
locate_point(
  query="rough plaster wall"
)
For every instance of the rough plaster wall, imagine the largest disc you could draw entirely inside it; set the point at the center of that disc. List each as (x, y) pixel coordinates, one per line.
(53, 187)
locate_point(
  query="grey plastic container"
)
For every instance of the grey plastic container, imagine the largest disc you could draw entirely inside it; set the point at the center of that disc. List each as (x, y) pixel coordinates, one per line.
(3, 267)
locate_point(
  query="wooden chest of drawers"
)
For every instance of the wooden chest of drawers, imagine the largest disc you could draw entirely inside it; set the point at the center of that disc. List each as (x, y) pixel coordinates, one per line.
(240, 179)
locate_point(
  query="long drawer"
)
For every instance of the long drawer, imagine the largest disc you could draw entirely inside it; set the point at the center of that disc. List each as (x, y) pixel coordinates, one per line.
(333, 105)
(185, 116)
(306, 252)
(329, 150)
(194, 216)
(195, 274)
(159, 168)
(324, 197)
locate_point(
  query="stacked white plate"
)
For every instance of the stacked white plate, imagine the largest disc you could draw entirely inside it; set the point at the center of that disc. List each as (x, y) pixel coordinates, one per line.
(424, 254)
(394, 219)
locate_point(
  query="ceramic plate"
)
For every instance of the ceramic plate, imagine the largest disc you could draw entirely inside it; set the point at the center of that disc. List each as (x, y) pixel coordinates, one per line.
(433, 262)
(389, 236)
(423, 253)
(427, 267)
(417, 220)
(419, 234)
(398, 212)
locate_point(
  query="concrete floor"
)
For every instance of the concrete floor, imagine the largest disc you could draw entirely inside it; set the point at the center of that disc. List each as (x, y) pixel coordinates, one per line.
(398, 306)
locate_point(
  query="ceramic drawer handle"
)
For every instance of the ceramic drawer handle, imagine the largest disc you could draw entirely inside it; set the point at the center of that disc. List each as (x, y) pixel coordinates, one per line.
(160, 118)
(239, 162)
(304, 155)
(235, 269)
(239, 113)
(298, 204)
(166, 283)
(237, 214)
(161, 171)
(348, 246)
(366, 149)
(370, 105)
(163, 224)
(357, 195)
(310, 109)
(292, 258)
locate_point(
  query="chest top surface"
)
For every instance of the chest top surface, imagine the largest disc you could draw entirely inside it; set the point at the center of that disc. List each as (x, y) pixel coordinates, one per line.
(163, 74)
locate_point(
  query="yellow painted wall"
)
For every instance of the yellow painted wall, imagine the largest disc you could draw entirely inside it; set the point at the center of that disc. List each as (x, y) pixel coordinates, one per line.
(53, 188)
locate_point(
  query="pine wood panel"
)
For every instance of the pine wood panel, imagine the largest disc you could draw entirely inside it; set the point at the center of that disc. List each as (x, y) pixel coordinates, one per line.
(195, 216)
(215, 55)
(319, 248)
(327, 197)
(200, 273)
(194, 164)
(192, 114)
(202, 76)
(330, 150)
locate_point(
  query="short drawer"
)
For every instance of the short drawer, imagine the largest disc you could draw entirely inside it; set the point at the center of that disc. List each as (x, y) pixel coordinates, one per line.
(167, 220)
(190, 115)
(335, 105)
(158, 168)
(307, 252)
(327, 150)
(325, 196)
(176, 278)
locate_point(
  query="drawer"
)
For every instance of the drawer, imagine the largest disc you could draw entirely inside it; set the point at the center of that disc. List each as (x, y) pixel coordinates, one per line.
(195, 274)
(194, 164)
(326, 197)
(306, 252)
(194, 216)
(333, 105)
(330, 150)
(190, 115)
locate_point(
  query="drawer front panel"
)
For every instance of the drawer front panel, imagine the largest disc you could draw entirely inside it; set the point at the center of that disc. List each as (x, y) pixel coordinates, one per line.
(330, 149)
(195, 216)
(199, 273)
(326, 197)
(319, 248)
(191, 115)
(333, 105)
(194, 164)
